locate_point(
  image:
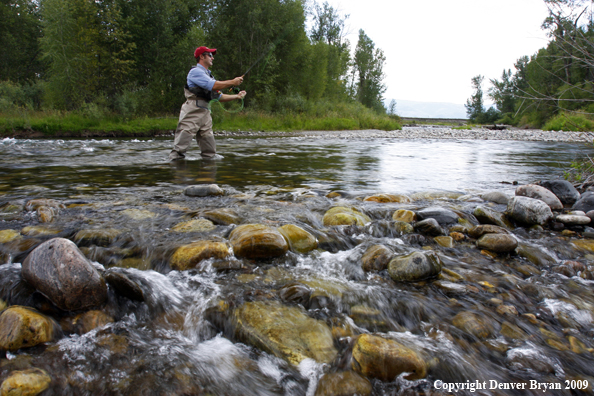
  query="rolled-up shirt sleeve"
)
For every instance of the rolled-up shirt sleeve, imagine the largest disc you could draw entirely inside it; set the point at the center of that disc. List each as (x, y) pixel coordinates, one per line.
(199, 77)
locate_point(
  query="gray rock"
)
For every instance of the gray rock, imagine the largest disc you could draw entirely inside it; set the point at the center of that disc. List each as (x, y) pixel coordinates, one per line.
(563, 189)
(489, 216)
(496, 196)
(529, 211)
(429, 227)
(204, 190)
(442, 215)
(59, 270)
(415, 266)
(538, 192)
(569, 219)
(585, 203)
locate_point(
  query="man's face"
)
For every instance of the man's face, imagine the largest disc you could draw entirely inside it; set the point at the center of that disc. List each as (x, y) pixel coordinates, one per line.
(208, 57)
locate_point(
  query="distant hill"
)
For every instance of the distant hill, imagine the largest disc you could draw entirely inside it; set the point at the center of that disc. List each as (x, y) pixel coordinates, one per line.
(408, 108)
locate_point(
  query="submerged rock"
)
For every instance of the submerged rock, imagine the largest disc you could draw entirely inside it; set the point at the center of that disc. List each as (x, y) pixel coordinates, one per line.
(480, 230)
(388, 198)
(195, 225)
(415, 266)
(24, 327)
(59, 270)
(257, 241)
(222, 216)
(384, 359)
(34, 204)
(299, 240)
(188, 256)
(376, 258)
(286, 332)
(340, 215)
(123, 285)
(29, 382)
(85, 322)
(498, 243)
(529, 211)
(429, 227)
(540, 193)
(536, 255)
(343, 383)
(407, 216)
(9, 235)
(99, 237)
(472, 324)
(204, 190)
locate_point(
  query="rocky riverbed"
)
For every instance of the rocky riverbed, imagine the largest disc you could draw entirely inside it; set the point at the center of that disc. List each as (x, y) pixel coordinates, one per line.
(434, 132)
(209, 290)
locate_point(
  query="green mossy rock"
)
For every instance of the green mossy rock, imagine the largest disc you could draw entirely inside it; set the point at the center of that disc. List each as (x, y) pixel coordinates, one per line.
(188, 256)
(415, 266)
(341, 215)
(25, 383)
(284, 331)
(299, 240)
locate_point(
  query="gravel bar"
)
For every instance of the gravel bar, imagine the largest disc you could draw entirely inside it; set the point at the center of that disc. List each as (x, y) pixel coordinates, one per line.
(431, 132)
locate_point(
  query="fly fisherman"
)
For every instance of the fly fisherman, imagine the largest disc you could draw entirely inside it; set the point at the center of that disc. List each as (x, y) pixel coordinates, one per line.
(194, 117)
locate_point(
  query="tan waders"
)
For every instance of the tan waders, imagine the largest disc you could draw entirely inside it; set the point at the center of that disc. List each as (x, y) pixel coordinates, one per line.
(194, 121)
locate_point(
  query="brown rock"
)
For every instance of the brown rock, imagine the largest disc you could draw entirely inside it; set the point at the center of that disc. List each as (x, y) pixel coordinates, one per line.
(25, 383)
(344, 383)
(377, 357)
(257, 241)
(376, 258)
(299, 240)
(188, 256)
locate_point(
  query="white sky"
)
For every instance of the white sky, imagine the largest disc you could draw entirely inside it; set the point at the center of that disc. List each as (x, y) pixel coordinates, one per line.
(434, 47)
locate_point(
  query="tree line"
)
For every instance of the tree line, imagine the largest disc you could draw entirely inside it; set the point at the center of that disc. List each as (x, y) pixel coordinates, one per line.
(131, 57)
(553, 88)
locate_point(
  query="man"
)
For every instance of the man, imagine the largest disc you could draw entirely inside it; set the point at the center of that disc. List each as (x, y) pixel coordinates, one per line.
(194, 117)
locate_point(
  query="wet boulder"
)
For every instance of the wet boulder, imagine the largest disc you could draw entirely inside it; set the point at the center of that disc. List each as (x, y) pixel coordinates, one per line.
(541, 193)
(296, 293)
(24, 327)
(299, 240)
(188, 256)
(257, 241)
(385, 359)
(123, 285)
(340, 215)
(284, 331)
(585, 203)
(100, 237)
(59, 270)
(29, 382)
(529, 211)
(563, 189)
(401, 228)
(496, 197)
(407, 216)
(441, 215)
(489, 216)
(204, 190)
(376, 258)
(415, 266)
(498, 243)
(343, 383)
(429, 227)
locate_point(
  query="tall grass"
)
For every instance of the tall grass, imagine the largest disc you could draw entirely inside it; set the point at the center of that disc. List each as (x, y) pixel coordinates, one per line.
(321, 116)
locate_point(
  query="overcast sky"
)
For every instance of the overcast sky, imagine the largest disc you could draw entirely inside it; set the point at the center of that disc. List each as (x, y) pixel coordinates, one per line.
(434, 47)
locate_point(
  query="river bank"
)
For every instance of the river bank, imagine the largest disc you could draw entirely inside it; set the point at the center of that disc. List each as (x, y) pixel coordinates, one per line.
(407, 132)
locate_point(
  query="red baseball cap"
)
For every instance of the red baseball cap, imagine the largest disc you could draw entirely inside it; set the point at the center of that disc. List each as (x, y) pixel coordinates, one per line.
(200, 50)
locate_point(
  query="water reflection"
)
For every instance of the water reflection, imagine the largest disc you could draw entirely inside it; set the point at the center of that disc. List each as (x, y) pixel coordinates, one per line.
(67, 167)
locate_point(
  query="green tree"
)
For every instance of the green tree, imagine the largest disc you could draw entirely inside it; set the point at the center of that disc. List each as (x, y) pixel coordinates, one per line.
(20, 31)
(503, 93)
(368, 73)
(474, 105)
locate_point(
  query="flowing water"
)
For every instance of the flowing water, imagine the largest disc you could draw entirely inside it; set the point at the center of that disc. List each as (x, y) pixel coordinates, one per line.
(172, 344)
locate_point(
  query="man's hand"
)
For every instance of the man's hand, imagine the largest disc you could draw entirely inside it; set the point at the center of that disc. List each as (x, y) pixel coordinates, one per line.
(241, 95)
(237, 81)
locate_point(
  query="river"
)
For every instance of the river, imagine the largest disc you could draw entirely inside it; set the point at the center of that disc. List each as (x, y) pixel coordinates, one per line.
(172, 344)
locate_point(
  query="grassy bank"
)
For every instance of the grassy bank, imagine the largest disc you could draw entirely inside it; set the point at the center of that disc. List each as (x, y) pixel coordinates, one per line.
(84, 124)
